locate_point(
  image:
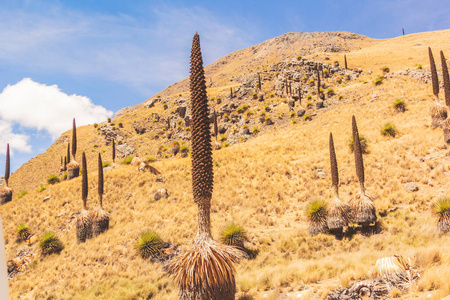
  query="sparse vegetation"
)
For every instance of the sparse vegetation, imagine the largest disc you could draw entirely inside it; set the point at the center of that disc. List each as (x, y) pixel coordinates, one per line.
(441, 210)
(399, 105)
(148, 244)
(50, 243)
(22, 193)
(378, 80)
(23, 231)
(41, 188)
(127, 160)
(233, 235)
(316, 213)
(389, 130)
(362, 141)
(52, 179)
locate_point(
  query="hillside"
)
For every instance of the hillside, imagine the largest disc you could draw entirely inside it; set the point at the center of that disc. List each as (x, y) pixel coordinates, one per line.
(264, 177)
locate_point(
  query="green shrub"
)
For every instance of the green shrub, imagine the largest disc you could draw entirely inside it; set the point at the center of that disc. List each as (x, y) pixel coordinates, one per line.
(120, 125)
(106, 164)
(64, 176)
(148, 244)
(307, 117)
(378, 80)
(150, 159)
(50, 243)
(184, 149)
(222, 138)
(109, 120)
(255, 95)
(316, 210)
(419, 66)
(292, 114)
(340, 97)
(225, 144)
(399, 105)
(127, 160)
(233, 235)
(267, 108)
(309, 97)
(362, 140)
(299, 57)
(22, 193)
(95, 125)
(308, 104)
(255, 129)
(23, 231)
(42, 187)
(385, 69)
(388, 130)
(272, 95)
(330, 92)
(52, 179)
(293, 121)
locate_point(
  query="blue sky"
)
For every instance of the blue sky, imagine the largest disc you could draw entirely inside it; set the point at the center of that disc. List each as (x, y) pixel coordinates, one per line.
(87, 59)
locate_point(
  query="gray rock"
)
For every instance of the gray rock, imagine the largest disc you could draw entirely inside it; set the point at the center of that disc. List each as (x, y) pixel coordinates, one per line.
(301, 112)
(246, 131)
(411, 187)
(46, 198)
(319, 104)
(161, 193)
(124, 150)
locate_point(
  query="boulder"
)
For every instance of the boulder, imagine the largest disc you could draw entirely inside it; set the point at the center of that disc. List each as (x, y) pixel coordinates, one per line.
(136, 162)
(411, 187)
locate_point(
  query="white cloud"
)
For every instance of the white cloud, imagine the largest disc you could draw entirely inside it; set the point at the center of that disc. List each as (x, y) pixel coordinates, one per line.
(16, 141)
(42, 107)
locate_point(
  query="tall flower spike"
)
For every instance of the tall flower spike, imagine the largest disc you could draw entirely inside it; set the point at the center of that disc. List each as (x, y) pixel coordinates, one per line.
(84, 181)
(434, 76)
(445, 79)
(7, 166)
(74, 139)
(333, 163)
(358, 153)
(114, 151)
(216, 131)
(202, 166)
(100, 180)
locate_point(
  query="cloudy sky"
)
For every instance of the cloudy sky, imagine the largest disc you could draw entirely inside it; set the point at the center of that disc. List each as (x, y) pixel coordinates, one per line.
(87, 59)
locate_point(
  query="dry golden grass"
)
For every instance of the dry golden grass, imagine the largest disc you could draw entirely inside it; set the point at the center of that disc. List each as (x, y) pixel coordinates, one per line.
(263, 184)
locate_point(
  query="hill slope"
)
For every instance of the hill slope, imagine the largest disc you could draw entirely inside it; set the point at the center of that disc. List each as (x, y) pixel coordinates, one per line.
(263, 183)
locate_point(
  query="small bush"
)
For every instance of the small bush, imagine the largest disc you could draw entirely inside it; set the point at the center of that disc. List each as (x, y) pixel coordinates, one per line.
(419, 66)
(363, 142)
(95, 125)
(292, 114)
(225, 144)
(150, 159)
(184, 149)
(106, 164)
(388, 130)
(299, 57)
(222, 138)
(340, 97)
(255, 95)
(64, 176)
(293, 121)
(267, 108)
(127, 160)
(400, 105)
(316, 210)
(378, 80)
(233, 235)
(148, 244)
(330, 92)
(22, 193)
(50, 243)
(307, 117)
(309, 97)
(109, 120)
(120, 125)
(255, 129)
(23, 231)
(42, 187)
(308, 104)
(385, 69)
(52, 179)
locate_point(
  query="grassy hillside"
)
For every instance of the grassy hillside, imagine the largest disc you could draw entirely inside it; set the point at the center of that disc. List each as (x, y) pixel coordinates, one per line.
(263, 184)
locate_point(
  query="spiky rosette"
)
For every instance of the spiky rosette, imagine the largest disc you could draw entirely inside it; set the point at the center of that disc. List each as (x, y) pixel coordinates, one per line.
(84, 226)
(73, 170)
(316, 212)
(339, 214)
(438, 115)
(100, 221)
(202, 166)
(395, 270)
(446, 128)
(364, 212)
(446, 79)
(434, 76)
(5, 195)
(206, 271)
(441, 210)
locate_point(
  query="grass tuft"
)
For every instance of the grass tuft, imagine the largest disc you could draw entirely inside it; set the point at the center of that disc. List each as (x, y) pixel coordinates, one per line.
(389, 129)
(233, 235)
(148, 244)
(362, 140)
(23, 231)
(50, 243)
